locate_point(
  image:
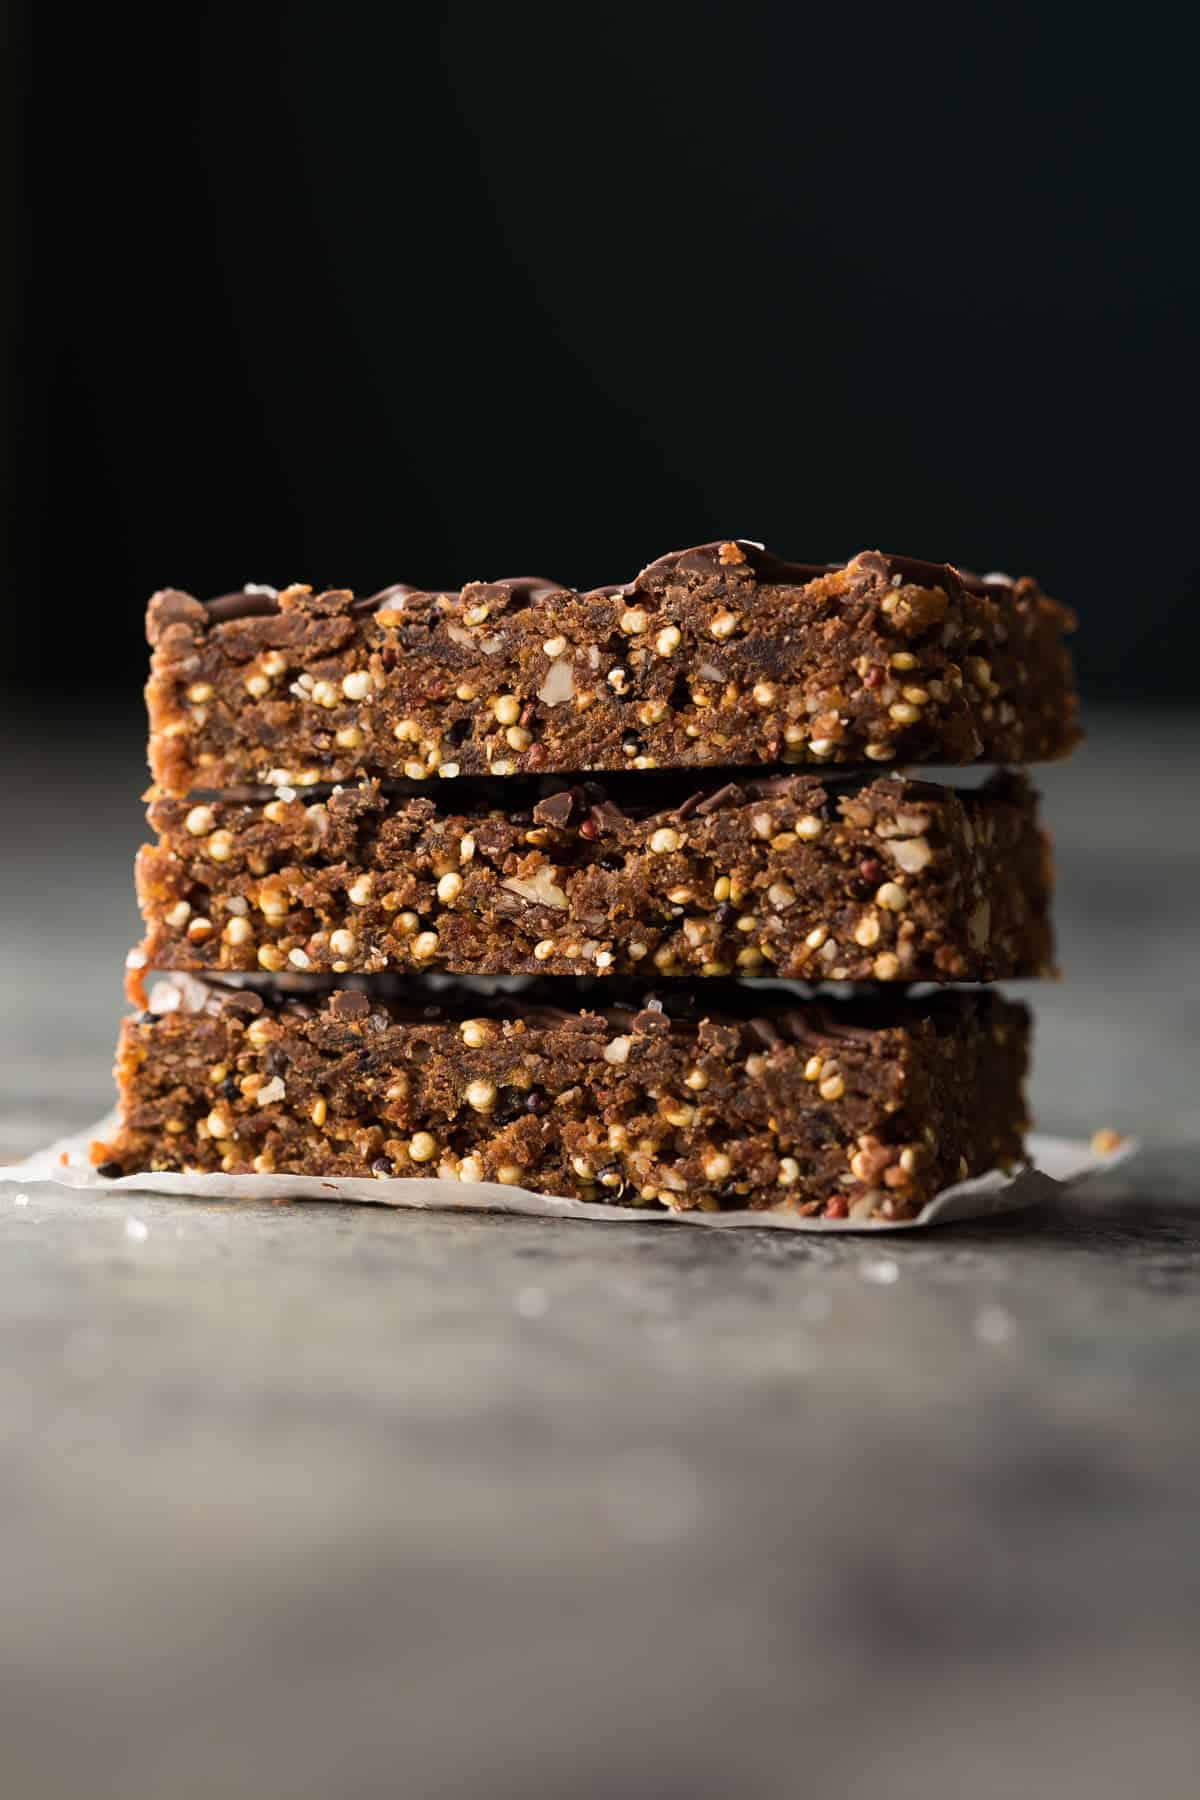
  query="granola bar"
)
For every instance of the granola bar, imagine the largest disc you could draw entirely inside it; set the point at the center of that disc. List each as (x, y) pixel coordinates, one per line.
(802, 876)
(857, 1109)
(721, 655)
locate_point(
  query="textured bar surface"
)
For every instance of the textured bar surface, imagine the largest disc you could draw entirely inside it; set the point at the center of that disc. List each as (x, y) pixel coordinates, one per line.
(840, 1108)
(718, 656)
(801, 876)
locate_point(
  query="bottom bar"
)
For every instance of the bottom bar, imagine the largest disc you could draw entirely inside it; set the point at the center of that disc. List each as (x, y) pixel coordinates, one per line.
(840, 1108)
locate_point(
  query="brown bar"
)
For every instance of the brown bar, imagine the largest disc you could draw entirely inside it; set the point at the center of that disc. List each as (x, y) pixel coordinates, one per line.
(799, 876)
(718, 656)
(841, 1109)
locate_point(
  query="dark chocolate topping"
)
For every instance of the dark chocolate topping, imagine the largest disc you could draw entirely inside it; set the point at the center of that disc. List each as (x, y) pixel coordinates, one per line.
(527, 590)
(250, 603)
(766, 1014)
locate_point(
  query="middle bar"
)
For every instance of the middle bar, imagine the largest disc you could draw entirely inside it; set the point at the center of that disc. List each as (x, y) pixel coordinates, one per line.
(806, 877)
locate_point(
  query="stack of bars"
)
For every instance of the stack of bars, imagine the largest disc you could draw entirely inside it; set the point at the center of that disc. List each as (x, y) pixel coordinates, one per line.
(660, 806)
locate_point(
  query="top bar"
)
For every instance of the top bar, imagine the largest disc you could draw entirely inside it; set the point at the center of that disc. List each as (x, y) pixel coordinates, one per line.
(721, 655)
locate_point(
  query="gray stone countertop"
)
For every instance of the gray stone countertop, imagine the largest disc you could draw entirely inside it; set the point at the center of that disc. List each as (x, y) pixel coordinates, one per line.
(342, 1501)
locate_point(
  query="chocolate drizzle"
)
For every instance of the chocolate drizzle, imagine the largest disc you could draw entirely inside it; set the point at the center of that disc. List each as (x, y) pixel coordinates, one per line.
(518, 591)
(767, 1016)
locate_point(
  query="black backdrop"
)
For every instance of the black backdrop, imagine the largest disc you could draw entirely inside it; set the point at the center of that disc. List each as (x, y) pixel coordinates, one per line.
(352, 293)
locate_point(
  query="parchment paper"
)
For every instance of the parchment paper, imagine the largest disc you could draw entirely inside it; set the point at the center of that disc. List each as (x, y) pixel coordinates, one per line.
(1055, 1163)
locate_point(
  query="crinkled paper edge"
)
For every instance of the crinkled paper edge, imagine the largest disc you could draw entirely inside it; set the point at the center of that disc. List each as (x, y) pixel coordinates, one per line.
(1055, 1163)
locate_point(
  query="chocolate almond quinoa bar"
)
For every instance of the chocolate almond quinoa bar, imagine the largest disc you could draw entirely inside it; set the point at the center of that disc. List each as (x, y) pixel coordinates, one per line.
(802, 876)
(841, 1109)
(717, 656)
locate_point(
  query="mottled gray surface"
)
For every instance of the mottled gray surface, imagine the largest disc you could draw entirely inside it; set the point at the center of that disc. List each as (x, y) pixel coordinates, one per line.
(332, 1501)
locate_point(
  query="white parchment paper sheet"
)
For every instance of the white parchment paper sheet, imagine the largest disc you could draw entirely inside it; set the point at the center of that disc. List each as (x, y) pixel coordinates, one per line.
(1055, 1163)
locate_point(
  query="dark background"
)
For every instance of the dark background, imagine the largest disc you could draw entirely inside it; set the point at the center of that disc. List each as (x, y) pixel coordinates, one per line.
(353, 294)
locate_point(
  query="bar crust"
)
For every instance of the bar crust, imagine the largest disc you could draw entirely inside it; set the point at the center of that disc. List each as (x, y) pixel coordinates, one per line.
(722, 655)
(836, 1108)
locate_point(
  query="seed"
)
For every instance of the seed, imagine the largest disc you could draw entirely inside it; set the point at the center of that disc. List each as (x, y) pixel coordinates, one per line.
(179, 915)
(721, 888)
(789, 1172)
(320, 1110)
(583, 1168)
(634, 622)
(518, 738)
(892, 895)
(199, 692)
(509, 1174)
(470, 1169)
(220, 846)
(218, 1124)
(481, 1095)
(866, 932)
(472, 1033)
(832, 1088)
(723, 625)
(406, 731)
(271, 957)
(764, 693)
(507, 709)
(349, 737)
(881, 752)
(919, 696)
(903, 659)
(257, 686)
(781, 895)
(237, 931)
(886, 967)
(668, 640)
(342, 942)
(813, 1068)
(359, 892)
(325, 694)
(664, 840)
(466, 691)
(356, 685)
(449, 887)
(475, 615)
(903, 713)
(809, 827)
(544, 949)
(696, 1079)
(718, 1166)
(200, 820)
(299, 959)
(816, 937)
(555, 646)
(422, 1147)
(618, 1050)
(425, 945)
